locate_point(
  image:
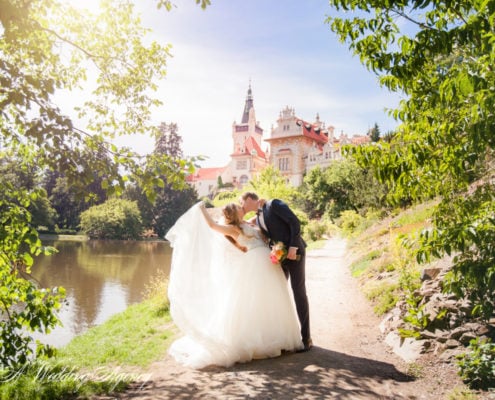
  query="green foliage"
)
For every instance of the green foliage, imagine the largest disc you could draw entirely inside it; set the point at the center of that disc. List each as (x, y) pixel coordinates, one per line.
(349, 221)
(361, 265)
(459, 393)
(42, 213)
(415, 318)
(170, 202)
(374, 133)
(48, 47)
(170, 205)
(384, 296)
(341, 186)
(47, 381)
(477, 367)
(270, 184)
(24, 308)
(135, 337)
(316, 229)
(114, 219)
(440, 56)
(101, 361)
(227, 197)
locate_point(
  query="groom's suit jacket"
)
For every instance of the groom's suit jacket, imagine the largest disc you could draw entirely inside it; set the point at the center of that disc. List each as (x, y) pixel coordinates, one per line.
(282, 225)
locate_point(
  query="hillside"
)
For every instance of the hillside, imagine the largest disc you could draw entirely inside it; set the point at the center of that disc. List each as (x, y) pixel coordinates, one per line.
(422, 324)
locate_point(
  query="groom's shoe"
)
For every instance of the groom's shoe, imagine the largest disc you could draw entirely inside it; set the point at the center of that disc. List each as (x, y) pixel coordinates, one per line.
(307, 346)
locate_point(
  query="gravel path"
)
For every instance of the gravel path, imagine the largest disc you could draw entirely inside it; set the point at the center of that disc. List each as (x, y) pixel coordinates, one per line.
(349, 360)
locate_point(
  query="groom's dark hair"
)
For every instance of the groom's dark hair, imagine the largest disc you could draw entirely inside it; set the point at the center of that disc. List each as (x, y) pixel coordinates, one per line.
(251, 195)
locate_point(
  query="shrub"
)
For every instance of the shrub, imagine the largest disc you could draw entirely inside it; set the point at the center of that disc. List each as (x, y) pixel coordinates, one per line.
(477, 368)
(315, 229)
(349, 221)
(114, 219)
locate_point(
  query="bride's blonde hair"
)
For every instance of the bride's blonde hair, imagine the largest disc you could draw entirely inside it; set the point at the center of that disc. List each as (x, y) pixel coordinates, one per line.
(231, 216)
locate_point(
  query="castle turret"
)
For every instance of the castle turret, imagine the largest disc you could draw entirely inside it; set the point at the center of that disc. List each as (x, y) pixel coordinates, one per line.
(248, 106)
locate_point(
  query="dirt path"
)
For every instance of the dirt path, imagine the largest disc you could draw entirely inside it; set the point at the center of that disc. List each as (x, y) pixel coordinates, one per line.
(349, 360)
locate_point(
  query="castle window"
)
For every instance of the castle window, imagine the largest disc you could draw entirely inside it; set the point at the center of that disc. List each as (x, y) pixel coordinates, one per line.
(241, 164)
(243, 180)
(283, 164)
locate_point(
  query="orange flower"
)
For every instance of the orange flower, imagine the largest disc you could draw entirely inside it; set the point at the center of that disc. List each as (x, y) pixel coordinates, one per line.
(278, 253)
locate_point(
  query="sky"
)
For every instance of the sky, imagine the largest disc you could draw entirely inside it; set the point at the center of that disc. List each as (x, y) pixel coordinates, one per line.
(283, 49)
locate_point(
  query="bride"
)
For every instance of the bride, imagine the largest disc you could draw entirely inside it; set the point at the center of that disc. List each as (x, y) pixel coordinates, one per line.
(231, 305)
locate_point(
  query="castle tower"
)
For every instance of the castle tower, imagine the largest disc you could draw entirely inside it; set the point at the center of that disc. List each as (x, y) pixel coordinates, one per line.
(247, 156)
(248, 128)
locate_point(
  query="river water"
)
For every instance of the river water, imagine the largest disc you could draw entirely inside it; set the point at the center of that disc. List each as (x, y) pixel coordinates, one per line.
(101, 278)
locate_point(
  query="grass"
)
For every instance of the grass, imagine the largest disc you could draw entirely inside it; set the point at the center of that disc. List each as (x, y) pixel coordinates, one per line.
(317, 244)
(363, 264)
(383, 295)
(54, 236)
(462, 394)
(380, 261)
(133, 338)
(102, 360)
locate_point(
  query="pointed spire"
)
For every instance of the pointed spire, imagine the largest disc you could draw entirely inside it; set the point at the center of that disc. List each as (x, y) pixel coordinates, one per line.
(248, 105)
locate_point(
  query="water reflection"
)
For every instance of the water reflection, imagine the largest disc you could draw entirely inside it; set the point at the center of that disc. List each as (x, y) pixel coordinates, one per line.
(101, 278)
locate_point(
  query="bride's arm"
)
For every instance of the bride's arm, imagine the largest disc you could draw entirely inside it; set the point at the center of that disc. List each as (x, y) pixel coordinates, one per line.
(228, 230)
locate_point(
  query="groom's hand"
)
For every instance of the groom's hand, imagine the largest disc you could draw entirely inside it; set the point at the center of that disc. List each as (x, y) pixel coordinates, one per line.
(292, 253)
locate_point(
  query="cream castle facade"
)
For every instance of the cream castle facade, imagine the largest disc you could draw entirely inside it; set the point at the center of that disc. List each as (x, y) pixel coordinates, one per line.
(294, 147)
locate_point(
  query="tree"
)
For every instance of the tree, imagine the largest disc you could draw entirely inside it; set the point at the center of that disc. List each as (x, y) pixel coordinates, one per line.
(170, 203)
(374, 133)
(23, 176)
(114, 219)
(440, 55)
(169, 206)
(48, 46)
(68, 203)
(343, 185)
(270, 183)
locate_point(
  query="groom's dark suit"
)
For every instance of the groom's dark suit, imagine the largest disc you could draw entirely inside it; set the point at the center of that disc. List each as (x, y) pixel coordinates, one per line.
(282, 225)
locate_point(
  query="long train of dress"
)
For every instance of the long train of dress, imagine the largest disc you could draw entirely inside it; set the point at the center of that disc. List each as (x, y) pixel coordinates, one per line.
(230, 306)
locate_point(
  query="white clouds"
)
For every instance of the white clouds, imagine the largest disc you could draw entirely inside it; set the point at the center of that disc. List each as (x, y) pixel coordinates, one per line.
(284, 48)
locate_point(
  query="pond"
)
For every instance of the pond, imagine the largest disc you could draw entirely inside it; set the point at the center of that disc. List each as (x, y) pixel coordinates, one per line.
(101, 278)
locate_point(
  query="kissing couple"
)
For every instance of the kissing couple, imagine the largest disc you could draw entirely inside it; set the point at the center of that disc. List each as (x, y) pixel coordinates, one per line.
(233, 303)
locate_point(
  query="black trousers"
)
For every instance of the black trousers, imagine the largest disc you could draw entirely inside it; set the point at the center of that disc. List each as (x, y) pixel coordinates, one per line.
(296, 271)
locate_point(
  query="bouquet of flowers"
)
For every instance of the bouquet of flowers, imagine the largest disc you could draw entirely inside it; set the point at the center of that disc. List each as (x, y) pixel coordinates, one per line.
(278, 253)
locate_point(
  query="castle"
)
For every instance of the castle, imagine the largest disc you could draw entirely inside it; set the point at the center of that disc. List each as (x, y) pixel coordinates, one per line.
(295, 146)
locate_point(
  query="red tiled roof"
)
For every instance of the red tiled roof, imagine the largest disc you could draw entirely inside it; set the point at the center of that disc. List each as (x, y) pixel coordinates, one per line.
(251, 144)
(204, 174)
(313, 132)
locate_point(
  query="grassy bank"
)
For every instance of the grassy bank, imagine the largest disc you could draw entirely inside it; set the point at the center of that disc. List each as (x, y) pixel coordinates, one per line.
(103, 360)
(386, 270)
(55, 236)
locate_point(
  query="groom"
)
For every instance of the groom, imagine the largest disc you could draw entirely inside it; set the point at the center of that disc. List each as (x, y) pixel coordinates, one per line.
(280, 224)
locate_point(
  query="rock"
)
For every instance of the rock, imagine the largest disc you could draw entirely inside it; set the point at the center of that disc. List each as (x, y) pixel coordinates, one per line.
(451, 354)
(429, 273)
(467, 337)
(391, 322)
(482, 330)
(452, 344)
(458, 332)
(408, 349)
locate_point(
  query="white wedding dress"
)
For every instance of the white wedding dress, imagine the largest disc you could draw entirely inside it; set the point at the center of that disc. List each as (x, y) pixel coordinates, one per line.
(231, 306)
